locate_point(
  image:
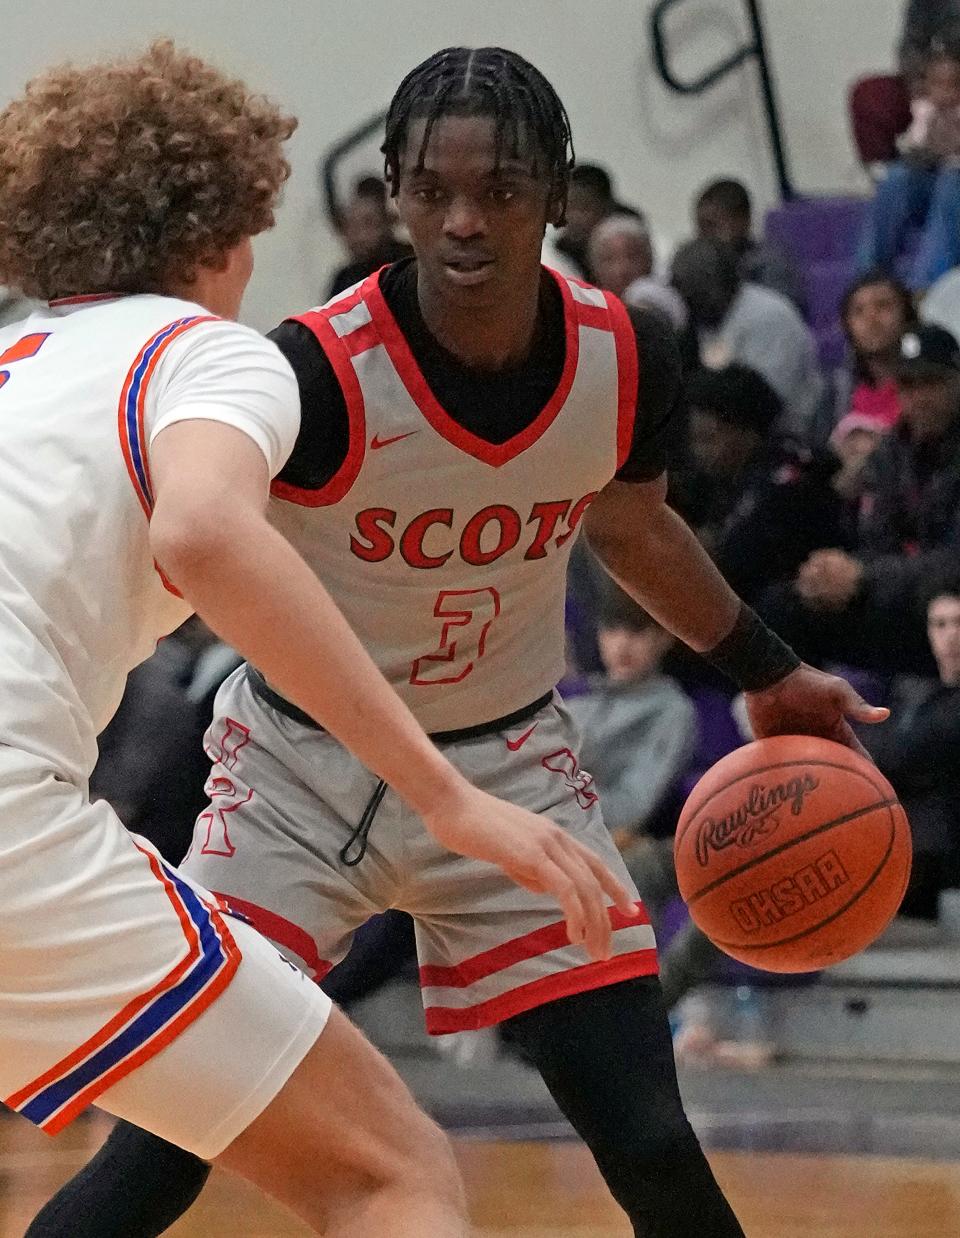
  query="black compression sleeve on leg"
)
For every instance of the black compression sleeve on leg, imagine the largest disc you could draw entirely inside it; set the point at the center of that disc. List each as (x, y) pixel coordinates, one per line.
(607, 1058)
(136, 1186)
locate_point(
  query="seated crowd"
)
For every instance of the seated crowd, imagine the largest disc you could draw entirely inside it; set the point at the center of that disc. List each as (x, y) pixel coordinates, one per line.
(830, 500)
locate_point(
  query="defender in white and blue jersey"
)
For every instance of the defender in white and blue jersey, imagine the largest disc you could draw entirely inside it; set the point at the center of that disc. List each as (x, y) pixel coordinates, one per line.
(139, 430)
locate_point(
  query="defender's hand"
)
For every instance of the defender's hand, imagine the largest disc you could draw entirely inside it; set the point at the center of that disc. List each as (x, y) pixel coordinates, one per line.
(539, 856)
(810, 702)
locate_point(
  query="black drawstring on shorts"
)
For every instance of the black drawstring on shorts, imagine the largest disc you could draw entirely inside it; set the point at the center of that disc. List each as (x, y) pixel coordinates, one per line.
(361, 834)
(358, 839)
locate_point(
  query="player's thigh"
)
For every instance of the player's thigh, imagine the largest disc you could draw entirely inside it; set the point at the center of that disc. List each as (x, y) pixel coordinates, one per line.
(267, 843)
(344, 1120)
(218, 1074)
(121, 983)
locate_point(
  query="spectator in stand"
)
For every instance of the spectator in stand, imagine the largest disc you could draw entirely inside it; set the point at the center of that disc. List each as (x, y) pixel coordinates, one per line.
(919, 751)
(875, 312)
(735, 320)
(724, 213)
(642, 738)
(924, 22)
(620, 252)
(880, 104)
(590, 200)
(923, 186)
(641, 729)
(368, 232)
(759, 503)
(941, 304)
(620, 255)
(866, 609)
(854, 440)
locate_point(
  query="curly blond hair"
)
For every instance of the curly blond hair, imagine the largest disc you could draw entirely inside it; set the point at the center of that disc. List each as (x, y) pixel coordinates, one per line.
(118, 177)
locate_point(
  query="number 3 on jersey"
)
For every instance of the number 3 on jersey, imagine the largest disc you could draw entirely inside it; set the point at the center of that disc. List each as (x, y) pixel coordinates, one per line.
(467, 615)
(26, 346)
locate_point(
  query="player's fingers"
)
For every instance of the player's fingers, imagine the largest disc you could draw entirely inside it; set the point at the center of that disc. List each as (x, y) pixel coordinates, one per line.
(597, 932)
(590, 902)
(558, 882)
(621, 898)
(854, 706)
(599, 938)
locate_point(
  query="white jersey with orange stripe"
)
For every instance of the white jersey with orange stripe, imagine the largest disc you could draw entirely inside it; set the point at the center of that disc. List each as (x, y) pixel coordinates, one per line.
(447, 553)
(85, 384)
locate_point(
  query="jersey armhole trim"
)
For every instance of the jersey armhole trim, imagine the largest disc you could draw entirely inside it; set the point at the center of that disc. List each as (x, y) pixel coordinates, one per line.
(339, 356)
(628, 375)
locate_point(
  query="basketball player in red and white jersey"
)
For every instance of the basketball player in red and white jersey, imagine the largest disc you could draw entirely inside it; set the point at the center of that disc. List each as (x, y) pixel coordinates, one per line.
(139, 430)
(465, 414)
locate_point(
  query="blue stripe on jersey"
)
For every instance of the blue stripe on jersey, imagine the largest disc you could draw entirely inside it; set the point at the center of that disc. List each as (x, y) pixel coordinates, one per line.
(131, 412)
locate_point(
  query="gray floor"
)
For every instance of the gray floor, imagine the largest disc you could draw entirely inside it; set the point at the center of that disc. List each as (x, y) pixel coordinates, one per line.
(804, 1106)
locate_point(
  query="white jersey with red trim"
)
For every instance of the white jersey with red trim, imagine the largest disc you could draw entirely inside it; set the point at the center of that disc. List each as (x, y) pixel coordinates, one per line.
(448, 554)
(84, 386)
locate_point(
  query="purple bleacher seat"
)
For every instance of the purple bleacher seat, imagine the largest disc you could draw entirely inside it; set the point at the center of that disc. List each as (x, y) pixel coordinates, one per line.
(718, 732)
(825, 284)
(817, 229)
(831, 347)
(821, 235)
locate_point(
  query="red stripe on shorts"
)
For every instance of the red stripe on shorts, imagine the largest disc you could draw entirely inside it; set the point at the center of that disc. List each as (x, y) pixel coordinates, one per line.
(530, 946)
(280, 930)
(442, 1020)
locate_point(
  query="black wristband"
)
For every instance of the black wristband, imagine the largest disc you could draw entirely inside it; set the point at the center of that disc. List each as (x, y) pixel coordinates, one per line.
(751, 654)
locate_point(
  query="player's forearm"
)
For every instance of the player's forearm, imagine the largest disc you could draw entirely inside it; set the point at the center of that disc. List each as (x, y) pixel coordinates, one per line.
(253, 589)
(660, 563)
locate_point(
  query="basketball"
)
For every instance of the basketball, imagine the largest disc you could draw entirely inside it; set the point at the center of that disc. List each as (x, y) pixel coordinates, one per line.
(792, 853)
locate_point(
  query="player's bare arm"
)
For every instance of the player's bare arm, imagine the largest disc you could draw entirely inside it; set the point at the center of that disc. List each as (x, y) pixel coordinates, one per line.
(654, 555)
(210, 535)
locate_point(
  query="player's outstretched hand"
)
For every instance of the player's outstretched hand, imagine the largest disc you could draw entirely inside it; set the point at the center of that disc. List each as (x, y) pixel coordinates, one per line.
(539, 856)
(810, 702)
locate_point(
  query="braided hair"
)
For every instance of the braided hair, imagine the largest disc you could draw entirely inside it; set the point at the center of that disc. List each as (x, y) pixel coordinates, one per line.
(485, 81)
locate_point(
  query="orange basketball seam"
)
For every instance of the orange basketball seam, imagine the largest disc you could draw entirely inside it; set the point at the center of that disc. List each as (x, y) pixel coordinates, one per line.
(786, 941)
(785, 846)
(765, 769)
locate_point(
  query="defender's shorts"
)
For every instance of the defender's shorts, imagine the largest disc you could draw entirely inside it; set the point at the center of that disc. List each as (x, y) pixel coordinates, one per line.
(286, 798)
(122, 983)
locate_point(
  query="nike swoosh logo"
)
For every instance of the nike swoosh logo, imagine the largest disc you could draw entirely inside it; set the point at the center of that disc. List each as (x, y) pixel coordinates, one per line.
(515, 744)
(376, 442)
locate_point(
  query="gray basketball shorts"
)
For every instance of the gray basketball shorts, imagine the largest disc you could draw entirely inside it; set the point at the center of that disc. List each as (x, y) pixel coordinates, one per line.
(284, 801)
